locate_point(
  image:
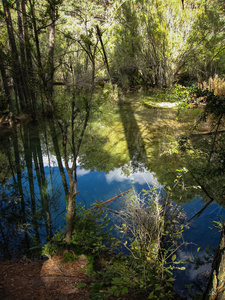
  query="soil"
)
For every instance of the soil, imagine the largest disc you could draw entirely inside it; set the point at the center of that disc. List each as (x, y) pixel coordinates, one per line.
(42, 280)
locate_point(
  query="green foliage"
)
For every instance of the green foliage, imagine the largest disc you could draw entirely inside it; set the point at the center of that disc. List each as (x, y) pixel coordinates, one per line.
(69, 256)
(54, 245)
(182, 93)
(147, 270)
(122, 275)
(215, 104)
(81, 285)
(218, 225)
(205, 39)
(90, 233)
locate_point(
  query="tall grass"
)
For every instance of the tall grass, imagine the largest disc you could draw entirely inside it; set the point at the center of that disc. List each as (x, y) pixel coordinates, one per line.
(215, 84)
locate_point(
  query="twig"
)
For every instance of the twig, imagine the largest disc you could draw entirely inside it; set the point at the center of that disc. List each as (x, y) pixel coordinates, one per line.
(207, 204)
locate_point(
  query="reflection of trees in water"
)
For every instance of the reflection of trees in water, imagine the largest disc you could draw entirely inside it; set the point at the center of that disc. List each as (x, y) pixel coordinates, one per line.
(13, 212)
(27, 141)
(58, 155)
(28, 195)
(20, 187)
(135, 143)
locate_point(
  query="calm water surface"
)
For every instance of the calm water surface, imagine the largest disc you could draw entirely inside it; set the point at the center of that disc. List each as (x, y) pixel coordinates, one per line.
(126, 146)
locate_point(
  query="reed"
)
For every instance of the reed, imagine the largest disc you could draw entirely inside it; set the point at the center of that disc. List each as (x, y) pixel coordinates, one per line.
(215, 84)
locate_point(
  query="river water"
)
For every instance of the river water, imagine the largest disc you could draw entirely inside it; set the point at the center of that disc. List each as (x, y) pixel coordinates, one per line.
(126, 146)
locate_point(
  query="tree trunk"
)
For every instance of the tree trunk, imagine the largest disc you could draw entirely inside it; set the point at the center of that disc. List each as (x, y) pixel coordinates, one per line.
(20, 188)
(51, 48)
(29, 165)
(39, 60)
(99, 34)
(58, 155)
(5, 84)
(30, 71)
(42, 183)
(24, 76)
(71, 205)
(15, 57)
(216, 286)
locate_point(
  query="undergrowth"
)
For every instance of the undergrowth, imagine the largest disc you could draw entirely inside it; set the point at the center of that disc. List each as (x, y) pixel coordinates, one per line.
(149, 229)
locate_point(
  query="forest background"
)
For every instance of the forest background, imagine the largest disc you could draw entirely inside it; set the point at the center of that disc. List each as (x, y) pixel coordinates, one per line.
(81, 43)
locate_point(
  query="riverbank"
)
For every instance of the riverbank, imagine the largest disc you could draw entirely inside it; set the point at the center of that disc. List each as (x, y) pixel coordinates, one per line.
(23, 280)
(43, 280)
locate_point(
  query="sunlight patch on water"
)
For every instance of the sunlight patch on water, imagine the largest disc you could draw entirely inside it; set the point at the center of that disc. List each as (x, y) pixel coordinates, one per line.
(167, 104)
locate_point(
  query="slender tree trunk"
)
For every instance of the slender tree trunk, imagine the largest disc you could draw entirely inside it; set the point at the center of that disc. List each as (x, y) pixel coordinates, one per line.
(28, 160)
(51, 68)
(47, 214)
(71, 205)
(36, 35)
(23, 62)
(5, 84)
(99, 34)
(15, 57)
(5, 246)
(72, 172)
(44, 198)
(30, 72)
(58, 155)
(20, 188)
(42, 86)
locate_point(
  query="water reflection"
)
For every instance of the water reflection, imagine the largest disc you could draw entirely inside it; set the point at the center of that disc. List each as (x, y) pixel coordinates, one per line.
(28, 194)
(34, 186)
(139, 177)
(124, 151)
(135, 143)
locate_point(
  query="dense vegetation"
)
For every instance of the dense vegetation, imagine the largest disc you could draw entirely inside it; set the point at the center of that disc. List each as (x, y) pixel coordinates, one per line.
(81, 43)
(55, 58)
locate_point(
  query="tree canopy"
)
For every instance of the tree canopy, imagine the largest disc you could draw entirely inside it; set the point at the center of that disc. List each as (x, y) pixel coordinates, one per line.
(131, 43)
